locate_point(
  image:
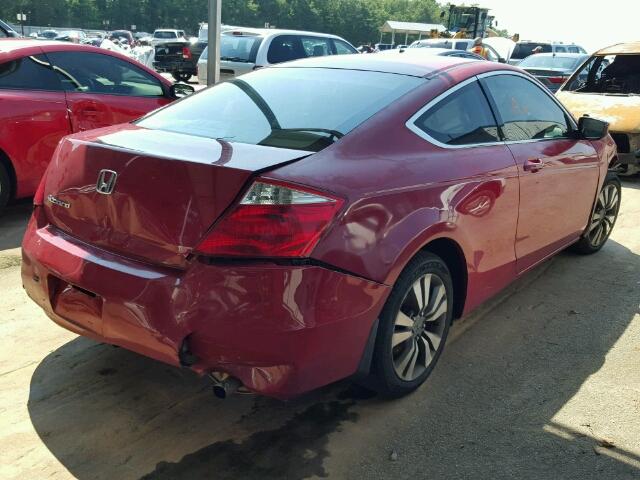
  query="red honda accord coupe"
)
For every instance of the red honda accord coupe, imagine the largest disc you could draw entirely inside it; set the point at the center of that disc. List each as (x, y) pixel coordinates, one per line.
(51, 89)
(316, 220)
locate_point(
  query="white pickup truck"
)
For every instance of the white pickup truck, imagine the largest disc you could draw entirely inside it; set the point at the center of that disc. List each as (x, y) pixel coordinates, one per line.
(164, 35)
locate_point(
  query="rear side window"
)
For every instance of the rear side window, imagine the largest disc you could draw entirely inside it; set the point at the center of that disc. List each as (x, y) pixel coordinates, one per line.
(526, 111)
(316, 47)
(560, 49)
(523, 50)
(164, 35)
(103, 74)
(461, 118)
(284, 48)
(343, 48)
(28, 73)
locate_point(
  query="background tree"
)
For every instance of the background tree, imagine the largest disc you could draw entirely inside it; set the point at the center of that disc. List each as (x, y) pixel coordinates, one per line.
(356, 20)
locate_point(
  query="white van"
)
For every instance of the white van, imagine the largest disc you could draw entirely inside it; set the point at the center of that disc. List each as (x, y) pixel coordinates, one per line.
(464, 44)
(243, 50)
(524, 48)
(451, 43)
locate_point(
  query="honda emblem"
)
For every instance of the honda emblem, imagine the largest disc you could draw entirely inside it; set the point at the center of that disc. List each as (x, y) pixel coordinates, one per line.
(106, 182)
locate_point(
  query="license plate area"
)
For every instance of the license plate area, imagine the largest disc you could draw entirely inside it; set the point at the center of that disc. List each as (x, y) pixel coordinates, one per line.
(76, 305)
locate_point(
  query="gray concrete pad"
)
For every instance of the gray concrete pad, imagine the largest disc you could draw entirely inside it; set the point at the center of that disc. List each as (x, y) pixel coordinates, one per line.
(543, 382)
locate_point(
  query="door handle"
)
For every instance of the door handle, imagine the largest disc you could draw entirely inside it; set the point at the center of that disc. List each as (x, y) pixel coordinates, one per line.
(533, 165)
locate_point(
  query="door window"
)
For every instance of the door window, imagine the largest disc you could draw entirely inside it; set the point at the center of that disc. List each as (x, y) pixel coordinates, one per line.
(343, 48)
(103, 74)
(28, 73)
(461, 118)
(316, 47)
(525, 111)
(284, 48)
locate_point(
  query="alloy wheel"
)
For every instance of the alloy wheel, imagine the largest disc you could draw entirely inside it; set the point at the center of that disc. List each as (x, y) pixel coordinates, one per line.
(604, 215)
(419, 327)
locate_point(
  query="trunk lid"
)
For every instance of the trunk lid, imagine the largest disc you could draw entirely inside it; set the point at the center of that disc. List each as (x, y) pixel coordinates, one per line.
(548, 72)
(168, 188)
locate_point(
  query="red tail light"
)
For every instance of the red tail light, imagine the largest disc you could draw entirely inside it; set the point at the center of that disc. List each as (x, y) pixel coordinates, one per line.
(186, 53)
(272, 220)
(556, 79)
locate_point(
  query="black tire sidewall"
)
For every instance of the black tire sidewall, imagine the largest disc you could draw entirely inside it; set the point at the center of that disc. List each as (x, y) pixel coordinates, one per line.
(390, 383)
(583, 245)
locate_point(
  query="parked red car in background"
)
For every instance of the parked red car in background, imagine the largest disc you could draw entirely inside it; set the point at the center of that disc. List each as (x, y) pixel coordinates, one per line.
(51, 89)
(317, 219)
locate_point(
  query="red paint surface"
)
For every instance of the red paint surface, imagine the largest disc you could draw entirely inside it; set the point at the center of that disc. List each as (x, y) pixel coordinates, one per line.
(285, 329)
(33, 122)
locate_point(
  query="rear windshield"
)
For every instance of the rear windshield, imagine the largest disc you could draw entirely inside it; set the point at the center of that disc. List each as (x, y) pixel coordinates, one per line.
(523, 50)
(299, 108)
(239, 48)
(544, 61)
(165, 35)
(608, 74)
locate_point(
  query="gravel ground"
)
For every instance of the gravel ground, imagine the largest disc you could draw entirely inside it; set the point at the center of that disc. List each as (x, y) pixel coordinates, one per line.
(541, 383)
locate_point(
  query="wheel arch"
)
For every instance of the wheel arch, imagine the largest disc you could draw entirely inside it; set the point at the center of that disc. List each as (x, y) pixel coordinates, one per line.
(452, 254)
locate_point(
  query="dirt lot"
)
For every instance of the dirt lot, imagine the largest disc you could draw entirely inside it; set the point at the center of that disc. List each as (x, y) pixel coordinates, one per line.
(542, 383)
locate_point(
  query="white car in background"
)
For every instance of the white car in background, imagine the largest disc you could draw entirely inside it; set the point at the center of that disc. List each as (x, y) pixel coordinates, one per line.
(162, 35)
(462, 44)
(243, 50)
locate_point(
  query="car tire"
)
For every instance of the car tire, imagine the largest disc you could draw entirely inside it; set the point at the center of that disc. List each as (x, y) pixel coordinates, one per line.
(181, 77)
(412, 332)
(603, 218)
(5, 187)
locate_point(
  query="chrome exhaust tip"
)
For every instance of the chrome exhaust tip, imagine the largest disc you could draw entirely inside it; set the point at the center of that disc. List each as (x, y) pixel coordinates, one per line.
(224, 385)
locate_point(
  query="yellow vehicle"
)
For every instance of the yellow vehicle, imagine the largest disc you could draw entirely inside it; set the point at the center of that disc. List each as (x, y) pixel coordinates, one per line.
(607, 86)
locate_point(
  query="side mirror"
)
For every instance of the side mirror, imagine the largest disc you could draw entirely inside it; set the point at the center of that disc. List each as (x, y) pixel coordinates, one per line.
(179, 90)
(502, 60)
(592, 128)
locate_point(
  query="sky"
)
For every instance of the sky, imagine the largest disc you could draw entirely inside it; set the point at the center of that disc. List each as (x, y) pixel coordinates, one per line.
(589, 23)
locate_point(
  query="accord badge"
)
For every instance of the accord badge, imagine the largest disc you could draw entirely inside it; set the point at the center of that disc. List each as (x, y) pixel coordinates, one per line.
(58, 202)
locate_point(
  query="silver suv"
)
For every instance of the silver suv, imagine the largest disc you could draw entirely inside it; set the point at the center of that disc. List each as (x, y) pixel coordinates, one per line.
(243, 50)
(524, 49)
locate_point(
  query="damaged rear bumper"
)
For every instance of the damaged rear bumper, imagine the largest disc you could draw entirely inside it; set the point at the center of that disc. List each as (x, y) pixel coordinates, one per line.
(280, 329)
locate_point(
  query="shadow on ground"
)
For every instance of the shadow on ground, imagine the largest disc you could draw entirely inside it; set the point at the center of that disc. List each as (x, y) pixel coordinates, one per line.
(489, 407)
(13, 223)
(631, 182)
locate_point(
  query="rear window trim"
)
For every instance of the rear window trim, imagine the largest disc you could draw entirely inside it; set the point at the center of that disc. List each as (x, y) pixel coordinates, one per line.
(412, 126)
